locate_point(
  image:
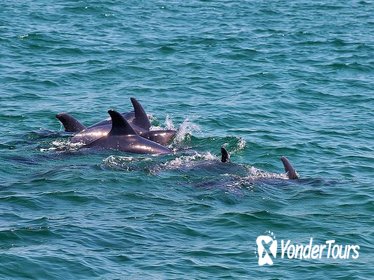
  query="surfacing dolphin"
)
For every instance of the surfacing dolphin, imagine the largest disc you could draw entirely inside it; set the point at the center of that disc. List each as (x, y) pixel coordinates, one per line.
(209, 165)
(138, 119)
(288, 168)
(123, 137)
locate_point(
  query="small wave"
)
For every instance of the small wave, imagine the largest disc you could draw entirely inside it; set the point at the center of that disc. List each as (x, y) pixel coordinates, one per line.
(239, 145)
(23, 36)
(45, 133)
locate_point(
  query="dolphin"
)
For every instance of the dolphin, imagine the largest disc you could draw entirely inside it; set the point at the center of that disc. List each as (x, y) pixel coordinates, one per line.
(194, 162)
(138, 119)
(288, 168)
(122, 136)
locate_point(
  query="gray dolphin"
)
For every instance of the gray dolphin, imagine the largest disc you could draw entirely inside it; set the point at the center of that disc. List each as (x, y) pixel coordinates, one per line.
(138, 119)
(123, 137)
(288, 168)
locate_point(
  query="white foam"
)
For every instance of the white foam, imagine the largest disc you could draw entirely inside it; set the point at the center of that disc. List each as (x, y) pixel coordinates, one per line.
(255, 173)
(122, 161)
(169, 123)
(241, 144)
(63, 145)
(189, 160)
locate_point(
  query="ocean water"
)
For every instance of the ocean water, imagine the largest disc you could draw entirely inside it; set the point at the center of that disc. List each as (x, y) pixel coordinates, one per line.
(264, 78)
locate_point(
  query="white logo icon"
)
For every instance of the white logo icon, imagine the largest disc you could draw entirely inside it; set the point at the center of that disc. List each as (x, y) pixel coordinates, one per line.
(266, 246)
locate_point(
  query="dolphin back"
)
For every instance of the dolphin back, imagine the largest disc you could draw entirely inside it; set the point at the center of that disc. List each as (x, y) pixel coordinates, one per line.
(162, 137)
(124, 138)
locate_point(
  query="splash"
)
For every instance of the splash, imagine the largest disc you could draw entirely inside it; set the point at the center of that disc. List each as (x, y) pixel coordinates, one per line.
(240, 145)
(168, 124)
(152, 118)
(185, 129)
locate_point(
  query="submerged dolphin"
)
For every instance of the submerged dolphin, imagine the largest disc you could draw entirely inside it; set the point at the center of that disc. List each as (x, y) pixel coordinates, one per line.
(123, 137)
(138, 119)
(288, 168)
(211, 166)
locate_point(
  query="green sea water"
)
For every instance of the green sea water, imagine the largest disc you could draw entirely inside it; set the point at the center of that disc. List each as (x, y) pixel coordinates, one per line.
(265, 78)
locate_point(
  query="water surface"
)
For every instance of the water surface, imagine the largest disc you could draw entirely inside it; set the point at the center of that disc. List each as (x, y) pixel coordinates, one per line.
(265, 78)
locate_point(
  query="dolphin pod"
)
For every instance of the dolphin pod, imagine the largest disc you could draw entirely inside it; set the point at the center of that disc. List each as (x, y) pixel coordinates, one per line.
(130, 132)
(138, 120)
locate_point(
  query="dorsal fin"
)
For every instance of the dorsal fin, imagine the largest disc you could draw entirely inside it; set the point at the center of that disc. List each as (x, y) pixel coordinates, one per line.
(291, 172)
(225, 156)
(141, 118)
(70, 123)
(119, 125)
